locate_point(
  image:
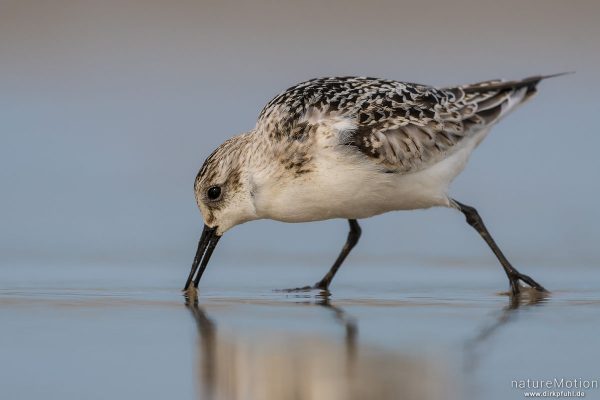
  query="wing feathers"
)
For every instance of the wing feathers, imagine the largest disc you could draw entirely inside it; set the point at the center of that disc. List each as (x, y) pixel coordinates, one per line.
(402, 127)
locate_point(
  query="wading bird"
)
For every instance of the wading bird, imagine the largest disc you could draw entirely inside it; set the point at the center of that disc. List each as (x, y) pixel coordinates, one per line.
(352, 148)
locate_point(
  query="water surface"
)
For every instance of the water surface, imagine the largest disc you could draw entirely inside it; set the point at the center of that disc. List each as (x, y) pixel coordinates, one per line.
(386, 332)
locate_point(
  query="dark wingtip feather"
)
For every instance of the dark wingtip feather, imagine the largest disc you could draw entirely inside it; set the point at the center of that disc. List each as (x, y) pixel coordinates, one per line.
(556, 75)
(530, 83)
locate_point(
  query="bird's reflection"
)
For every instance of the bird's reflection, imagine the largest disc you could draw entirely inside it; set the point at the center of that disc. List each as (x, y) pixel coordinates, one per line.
(477, 345)
(349, 324)
(207, 343)
(272, 365)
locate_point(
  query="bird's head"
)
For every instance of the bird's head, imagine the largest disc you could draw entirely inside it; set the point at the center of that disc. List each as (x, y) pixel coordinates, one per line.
(224, 193)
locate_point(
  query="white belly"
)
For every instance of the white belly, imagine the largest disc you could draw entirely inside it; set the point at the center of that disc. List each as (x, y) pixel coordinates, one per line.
(344, 187)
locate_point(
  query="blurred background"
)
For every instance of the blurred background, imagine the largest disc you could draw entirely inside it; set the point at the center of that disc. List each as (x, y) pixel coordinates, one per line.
(109, 108)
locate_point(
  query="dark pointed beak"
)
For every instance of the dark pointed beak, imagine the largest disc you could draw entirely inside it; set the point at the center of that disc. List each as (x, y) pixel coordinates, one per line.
(206, 245)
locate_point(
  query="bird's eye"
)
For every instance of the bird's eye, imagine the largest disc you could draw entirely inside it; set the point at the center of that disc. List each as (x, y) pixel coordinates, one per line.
(214, 192)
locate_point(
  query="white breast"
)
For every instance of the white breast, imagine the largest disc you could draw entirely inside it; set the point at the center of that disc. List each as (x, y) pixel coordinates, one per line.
(348, 185)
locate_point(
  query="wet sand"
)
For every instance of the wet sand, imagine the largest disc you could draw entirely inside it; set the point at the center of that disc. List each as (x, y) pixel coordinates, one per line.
(386, 332)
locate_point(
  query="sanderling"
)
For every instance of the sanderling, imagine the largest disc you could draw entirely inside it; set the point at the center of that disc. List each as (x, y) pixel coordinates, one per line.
(352, 148)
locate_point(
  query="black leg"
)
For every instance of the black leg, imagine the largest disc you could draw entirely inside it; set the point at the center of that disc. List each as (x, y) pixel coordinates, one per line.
(514, 276)
(353, 237)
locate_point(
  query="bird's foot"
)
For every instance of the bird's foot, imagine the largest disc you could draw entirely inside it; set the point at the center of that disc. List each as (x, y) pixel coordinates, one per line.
(319, 286)
(191, 295)
(515, 287)
(295, 290)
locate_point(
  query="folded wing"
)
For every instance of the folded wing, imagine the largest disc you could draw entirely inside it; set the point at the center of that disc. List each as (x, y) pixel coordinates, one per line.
(402, 127)
(431, 125)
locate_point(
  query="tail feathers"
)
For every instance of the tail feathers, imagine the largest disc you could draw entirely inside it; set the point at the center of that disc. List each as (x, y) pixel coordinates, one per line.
(495, 99)
(530, 83)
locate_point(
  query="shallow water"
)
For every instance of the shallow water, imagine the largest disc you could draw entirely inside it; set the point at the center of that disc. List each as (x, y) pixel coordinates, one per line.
(386, 332)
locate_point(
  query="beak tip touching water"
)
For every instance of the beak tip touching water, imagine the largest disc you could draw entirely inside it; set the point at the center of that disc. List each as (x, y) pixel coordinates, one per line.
(206, 245)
